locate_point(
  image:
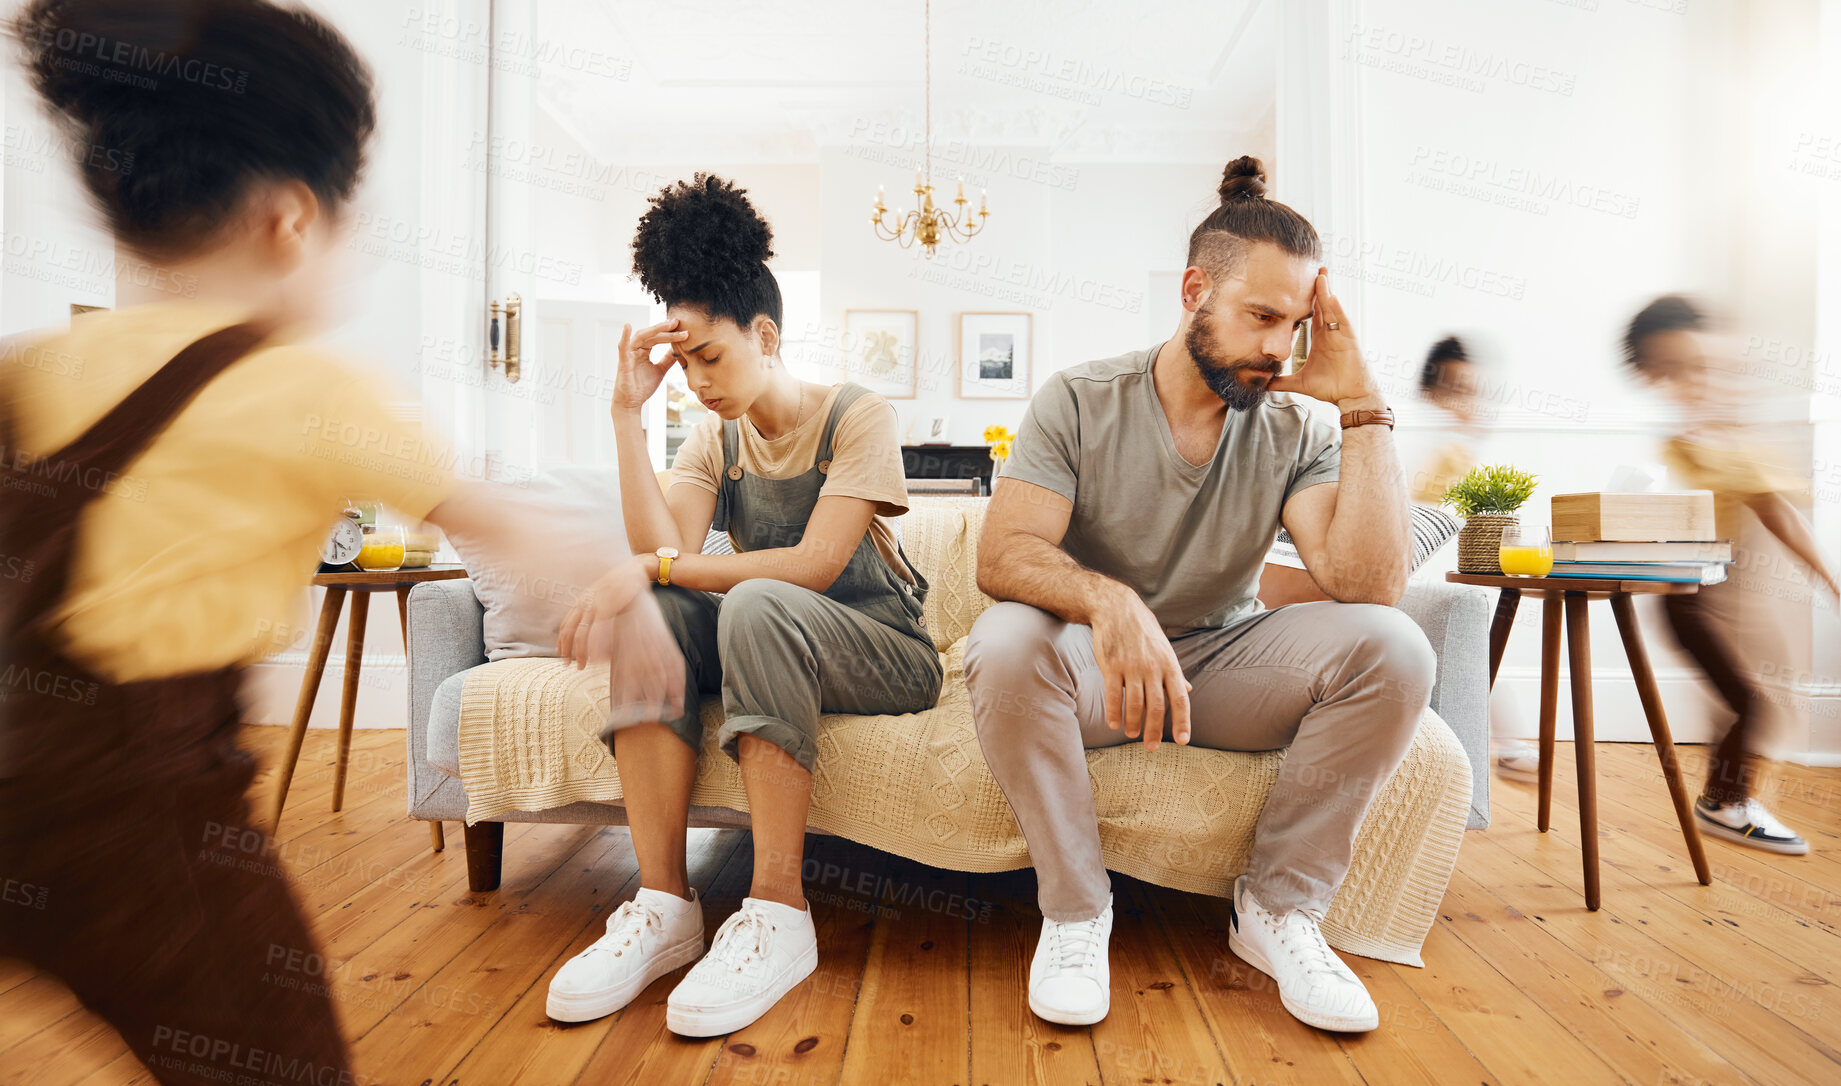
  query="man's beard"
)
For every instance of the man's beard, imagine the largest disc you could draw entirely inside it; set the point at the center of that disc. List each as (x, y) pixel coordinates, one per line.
(1224, 377)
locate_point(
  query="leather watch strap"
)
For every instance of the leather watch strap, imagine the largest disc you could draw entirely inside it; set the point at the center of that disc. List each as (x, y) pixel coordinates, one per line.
(1379, 416)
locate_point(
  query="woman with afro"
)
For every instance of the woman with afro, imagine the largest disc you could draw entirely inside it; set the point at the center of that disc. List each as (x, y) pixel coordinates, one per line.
(817, 611)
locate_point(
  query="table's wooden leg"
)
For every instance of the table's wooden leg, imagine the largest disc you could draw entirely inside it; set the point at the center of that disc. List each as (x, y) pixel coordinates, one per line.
(1658, 730)
(1506, 603)
(1579, 663)
(435, 837)
(1550, 701)
(348, 704)
(309, 689)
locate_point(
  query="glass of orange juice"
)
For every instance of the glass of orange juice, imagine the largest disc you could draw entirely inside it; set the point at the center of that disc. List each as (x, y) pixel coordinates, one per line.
(383, 548)
(1526, 550)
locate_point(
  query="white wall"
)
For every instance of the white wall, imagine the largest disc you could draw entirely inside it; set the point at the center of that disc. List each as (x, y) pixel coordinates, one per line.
(1534, 173)
(55, 253)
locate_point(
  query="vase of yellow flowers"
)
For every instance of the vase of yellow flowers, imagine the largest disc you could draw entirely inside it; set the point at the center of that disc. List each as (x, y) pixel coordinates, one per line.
(999, 439)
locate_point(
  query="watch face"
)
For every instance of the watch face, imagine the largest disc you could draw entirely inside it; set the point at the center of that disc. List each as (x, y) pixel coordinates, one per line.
(667, 552)
(343, 545)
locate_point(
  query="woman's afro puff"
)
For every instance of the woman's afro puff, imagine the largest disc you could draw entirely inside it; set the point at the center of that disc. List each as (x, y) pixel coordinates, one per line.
(702, 243)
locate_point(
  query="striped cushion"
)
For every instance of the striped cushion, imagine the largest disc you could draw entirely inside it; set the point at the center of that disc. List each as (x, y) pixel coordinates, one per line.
(1432, 529)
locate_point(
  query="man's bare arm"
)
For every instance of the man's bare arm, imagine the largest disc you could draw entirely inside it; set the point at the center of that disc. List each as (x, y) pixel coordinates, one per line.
(1355, 535)
(1020, 558)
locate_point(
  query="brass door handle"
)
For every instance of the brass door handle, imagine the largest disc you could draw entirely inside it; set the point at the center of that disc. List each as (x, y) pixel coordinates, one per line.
(513, 311)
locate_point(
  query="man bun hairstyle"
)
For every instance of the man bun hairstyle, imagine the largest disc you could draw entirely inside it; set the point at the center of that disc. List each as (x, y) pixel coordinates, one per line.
(1449, 349)
(1669, 313)
(702, 244)
(177, 107)
(1245, 218)
(1243, 179)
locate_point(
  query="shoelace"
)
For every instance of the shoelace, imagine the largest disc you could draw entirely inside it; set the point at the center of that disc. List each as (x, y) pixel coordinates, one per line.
(743, 938)
(1303, 940)
(1076, 945)
(631, 919)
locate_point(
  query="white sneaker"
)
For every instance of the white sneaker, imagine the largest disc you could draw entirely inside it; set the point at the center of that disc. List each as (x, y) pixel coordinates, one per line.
(1518, 760)
(1313, 983)
(1070, 978)
(1747, 822)
(646, 938)
(759, 954)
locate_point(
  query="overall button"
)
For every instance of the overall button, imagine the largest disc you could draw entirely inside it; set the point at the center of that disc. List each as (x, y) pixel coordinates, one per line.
(824, 467)
(735, 472)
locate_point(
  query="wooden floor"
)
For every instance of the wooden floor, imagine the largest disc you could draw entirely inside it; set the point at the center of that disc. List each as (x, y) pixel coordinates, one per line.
(1670, 982)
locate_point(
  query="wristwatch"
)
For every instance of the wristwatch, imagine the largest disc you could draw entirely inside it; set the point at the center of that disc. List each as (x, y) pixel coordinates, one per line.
(665, 555)
(1381, 416)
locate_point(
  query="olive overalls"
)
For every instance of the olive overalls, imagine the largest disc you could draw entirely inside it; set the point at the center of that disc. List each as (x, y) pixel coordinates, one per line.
(781, 654)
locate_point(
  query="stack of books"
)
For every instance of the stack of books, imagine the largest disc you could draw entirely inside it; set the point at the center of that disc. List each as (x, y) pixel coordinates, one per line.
(1665, 536)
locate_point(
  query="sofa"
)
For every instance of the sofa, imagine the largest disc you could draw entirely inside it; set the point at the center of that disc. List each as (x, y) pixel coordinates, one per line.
(523, 734)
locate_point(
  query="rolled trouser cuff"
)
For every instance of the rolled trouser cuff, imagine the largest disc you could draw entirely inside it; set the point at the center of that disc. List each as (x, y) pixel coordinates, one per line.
(789, 738)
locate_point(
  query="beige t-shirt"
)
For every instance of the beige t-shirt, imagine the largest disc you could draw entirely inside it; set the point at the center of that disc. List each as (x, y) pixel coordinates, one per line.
(865, 461)
(195, 558)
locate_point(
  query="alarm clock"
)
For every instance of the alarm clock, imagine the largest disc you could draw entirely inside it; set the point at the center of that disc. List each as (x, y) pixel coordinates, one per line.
(343, 545)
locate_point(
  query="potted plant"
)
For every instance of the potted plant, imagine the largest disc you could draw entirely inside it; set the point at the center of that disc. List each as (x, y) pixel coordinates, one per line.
(1487, 498)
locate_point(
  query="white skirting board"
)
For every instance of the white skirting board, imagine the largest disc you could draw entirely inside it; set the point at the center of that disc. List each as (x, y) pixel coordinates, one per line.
(1806, 724)
(271, 687)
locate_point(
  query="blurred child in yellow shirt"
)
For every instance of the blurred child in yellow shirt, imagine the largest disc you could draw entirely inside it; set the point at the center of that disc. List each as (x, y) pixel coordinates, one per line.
(1670, 347)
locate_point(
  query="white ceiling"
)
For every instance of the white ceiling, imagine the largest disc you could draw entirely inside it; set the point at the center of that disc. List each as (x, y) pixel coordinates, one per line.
(751, 80)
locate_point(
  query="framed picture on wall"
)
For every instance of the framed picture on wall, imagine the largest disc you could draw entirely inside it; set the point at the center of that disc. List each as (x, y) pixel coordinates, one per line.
(880, 349)
(994, 351)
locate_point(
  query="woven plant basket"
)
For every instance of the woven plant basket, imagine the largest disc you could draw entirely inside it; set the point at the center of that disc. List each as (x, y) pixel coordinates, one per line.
(1479, 543)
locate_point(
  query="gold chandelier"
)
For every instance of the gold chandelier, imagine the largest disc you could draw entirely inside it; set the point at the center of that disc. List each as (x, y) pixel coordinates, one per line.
(928, 224)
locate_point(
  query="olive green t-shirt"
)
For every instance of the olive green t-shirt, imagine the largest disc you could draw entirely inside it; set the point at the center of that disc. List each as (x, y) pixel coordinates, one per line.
(1190, 539)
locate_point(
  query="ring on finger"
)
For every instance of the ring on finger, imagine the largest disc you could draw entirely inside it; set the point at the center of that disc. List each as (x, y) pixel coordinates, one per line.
(1332, 326)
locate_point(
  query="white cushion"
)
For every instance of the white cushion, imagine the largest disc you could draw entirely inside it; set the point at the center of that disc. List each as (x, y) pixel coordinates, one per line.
(571, 532)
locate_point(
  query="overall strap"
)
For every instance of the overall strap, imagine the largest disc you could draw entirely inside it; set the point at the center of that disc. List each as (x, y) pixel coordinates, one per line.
(44, 497)
(114, 440)
(725, 484)
(731, 444)
(847, 394)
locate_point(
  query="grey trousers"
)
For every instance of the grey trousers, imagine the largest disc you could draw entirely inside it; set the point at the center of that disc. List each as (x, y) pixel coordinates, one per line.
(1342, 685)
(781, 654)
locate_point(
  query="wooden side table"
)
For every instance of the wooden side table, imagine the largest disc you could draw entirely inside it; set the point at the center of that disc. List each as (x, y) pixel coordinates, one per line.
(359, 586)
(1576, 592)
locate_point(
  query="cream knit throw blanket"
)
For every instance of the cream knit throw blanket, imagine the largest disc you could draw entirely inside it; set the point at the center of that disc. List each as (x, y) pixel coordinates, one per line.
(917, 786)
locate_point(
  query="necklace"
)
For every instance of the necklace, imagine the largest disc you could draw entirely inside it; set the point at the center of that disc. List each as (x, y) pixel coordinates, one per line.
(800, 417)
